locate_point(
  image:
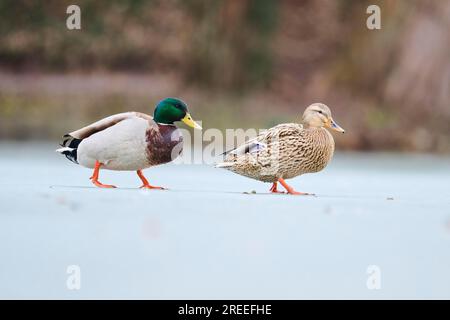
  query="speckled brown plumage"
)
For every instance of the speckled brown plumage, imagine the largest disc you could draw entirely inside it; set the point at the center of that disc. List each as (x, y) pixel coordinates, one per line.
(287, 150)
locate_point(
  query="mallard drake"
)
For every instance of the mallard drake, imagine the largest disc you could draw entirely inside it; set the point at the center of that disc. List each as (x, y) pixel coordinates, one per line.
(286, 150)
(130, 141)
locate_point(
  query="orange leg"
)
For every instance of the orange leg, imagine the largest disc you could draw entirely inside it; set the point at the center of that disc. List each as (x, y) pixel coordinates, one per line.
(274, 188)
(145, 184)
(291, 190)
(94, 177)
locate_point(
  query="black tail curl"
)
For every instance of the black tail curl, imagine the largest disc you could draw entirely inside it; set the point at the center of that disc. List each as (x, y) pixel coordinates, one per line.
(70, 147)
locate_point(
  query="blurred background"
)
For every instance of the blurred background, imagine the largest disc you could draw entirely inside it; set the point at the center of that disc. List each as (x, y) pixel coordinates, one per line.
(238, 64)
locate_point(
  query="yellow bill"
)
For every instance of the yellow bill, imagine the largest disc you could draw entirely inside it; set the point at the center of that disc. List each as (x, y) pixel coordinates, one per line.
(190, 122)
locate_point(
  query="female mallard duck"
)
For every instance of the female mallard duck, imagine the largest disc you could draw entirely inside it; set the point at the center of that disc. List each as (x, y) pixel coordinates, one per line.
(287, 150)
(129, 141)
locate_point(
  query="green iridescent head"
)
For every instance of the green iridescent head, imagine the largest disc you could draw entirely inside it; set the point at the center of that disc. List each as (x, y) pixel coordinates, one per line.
(171, 110)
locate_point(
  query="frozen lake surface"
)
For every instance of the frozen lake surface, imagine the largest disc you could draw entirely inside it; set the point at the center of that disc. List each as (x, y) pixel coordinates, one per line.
(205, 238)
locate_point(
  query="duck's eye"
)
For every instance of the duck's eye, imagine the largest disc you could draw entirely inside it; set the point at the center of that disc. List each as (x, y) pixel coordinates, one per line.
(319, 111)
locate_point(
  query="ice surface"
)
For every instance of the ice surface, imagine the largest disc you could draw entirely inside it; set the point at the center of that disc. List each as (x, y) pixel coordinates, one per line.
(205, 238)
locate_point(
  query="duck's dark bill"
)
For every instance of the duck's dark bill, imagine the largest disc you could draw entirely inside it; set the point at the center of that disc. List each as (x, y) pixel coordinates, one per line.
(336, 127)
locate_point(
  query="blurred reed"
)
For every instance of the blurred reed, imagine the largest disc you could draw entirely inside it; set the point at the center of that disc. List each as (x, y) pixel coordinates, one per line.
(238, 63)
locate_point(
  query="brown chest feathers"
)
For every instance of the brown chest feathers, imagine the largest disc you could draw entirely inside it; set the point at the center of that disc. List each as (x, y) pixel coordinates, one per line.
(312, 152)
(164, 144)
